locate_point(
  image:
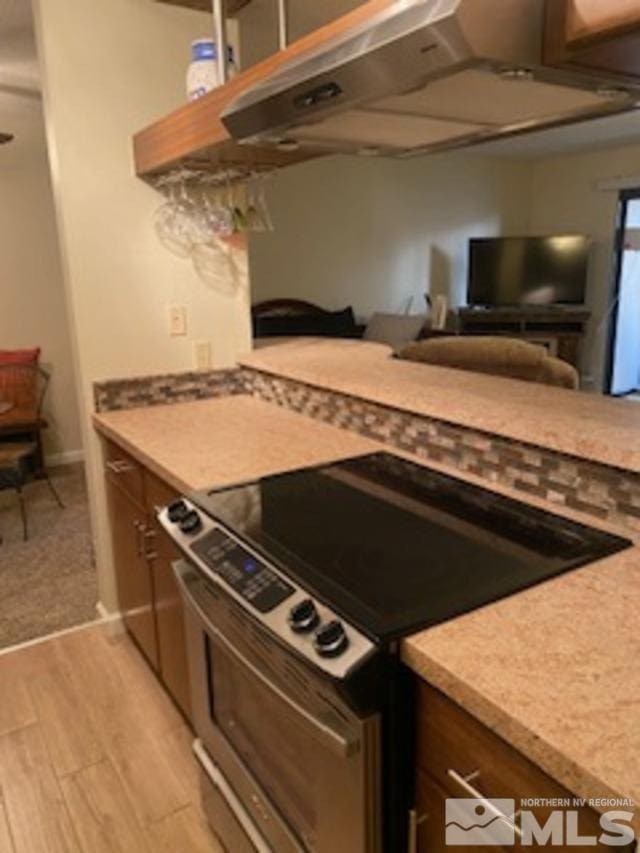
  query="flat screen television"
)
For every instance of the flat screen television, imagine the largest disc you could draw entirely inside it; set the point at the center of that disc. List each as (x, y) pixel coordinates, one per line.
(507, 271)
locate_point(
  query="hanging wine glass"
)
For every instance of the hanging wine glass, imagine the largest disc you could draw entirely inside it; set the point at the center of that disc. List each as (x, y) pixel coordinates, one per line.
(174, 221)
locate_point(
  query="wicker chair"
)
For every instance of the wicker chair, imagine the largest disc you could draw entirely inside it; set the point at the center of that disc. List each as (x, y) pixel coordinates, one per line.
(22, 392)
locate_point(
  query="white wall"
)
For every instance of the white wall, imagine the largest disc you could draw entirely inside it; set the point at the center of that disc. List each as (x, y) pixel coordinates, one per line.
(32, 299)
(379, 233)
(565, 198)
(110, 67)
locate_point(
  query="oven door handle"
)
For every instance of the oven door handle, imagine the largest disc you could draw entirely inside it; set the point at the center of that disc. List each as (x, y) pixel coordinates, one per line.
(322, 732)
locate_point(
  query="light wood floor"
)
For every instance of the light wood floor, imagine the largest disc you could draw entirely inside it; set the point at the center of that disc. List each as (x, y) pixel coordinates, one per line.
(93, 755)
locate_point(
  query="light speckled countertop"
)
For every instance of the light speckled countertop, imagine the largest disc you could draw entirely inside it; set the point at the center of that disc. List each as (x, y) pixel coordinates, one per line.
(226, 440)
(553, 670)
(590, 426)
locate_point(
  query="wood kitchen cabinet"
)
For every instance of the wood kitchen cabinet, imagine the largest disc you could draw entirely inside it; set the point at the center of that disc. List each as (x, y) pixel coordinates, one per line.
(455, 750)
(172, 647)
(143, 555)
(128, 527)
(598, 35)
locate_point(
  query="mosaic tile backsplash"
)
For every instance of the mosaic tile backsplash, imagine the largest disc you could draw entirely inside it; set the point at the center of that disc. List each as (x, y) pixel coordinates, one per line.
(597, 490)
(117, 394)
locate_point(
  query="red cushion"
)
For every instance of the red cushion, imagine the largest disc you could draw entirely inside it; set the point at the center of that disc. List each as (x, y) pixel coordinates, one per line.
(19, 356)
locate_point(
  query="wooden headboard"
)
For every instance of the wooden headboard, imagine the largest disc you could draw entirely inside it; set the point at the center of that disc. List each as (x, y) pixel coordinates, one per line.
(286, 308)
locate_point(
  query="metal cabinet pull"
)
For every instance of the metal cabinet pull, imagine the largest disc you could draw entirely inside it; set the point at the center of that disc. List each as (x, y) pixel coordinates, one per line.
(139, 528)
(119, 466)
(149, 536)
(259, 805)
(464, 783)
(414, 822)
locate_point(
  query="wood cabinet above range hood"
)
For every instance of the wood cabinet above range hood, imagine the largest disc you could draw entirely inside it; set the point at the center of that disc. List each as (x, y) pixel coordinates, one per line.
(196, 135)
(596, 35)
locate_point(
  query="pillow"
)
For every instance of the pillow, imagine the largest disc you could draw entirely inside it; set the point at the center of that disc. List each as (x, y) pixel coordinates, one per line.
(394, 329)
(20, 356)
(331, 324)
(499, 356)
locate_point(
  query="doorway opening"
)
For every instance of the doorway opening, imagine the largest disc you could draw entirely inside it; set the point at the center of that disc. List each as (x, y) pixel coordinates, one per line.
(623, 368)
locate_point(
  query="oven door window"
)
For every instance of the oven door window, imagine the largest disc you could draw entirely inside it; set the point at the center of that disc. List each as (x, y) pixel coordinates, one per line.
(280, 746)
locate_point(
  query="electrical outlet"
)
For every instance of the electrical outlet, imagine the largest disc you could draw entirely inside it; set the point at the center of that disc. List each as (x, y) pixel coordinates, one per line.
(202, 355)
(177, 320)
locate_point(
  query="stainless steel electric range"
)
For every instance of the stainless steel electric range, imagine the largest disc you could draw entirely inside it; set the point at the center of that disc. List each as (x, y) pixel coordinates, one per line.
(297, 589)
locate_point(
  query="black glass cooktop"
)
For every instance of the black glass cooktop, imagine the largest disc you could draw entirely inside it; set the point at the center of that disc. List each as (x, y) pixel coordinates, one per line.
(393, 546)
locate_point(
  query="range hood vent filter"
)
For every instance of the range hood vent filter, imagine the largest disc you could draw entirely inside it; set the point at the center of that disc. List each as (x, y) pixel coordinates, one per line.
(384, 130)
(485, 97)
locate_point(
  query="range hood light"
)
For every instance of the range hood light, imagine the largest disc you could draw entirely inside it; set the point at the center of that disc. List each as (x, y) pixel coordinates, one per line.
(369, 151)
(518, 75)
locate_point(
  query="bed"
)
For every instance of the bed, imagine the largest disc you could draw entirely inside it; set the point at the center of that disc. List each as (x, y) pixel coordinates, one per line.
(295, 317)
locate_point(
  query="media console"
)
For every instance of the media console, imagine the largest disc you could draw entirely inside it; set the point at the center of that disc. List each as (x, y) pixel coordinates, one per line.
(559, 328)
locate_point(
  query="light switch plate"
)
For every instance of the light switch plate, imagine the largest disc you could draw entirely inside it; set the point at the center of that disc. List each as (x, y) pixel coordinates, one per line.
(202, 355)
(177, 320)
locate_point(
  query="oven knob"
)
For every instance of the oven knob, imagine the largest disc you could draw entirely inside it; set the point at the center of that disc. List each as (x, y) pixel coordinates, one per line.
(303, 617)
(330, 639)
(177, 511)
(191, 522)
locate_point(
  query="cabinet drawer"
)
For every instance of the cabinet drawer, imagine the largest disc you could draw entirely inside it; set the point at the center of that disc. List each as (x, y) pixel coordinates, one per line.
(450, 739)
(124, 471)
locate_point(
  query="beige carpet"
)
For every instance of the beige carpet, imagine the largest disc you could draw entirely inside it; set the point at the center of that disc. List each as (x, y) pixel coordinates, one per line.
(49, 582)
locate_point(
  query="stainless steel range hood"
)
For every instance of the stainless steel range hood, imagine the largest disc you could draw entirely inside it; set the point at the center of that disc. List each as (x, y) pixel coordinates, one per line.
(423, 75)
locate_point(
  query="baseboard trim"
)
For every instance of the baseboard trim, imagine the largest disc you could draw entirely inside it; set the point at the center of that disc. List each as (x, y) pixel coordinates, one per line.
(107, 615)
(68, 457)
(107, 621)
(111, 618)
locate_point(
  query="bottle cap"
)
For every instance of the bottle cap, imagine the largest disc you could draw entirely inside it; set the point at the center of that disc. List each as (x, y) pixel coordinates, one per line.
(203, 49)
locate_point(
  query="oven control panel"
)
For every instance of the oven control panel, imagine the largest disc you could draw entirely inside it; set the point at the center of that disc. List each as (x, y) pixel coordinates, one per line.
(245, 573)
(306, 625)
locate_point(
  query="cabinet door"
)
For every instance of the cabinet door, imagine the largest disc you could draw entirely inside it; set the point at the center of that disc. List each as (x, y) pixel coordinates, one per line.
(172, 649)
(450, 739)
(133, 577)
